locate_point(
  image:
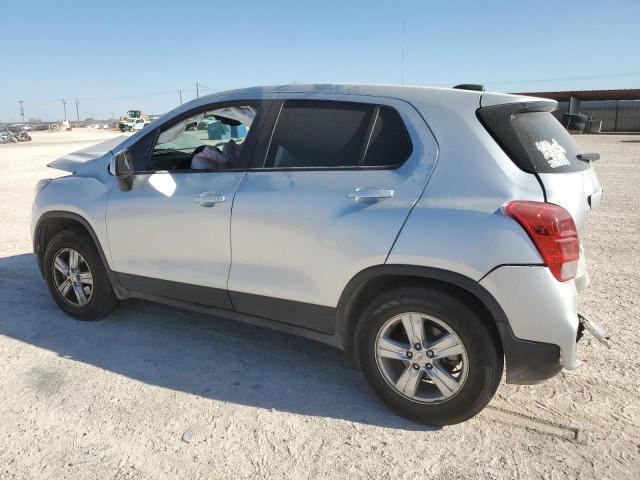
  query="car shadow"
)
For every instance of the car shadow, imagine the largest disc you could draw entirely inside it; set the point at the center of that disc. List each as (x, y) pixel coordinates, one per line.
(198, 354)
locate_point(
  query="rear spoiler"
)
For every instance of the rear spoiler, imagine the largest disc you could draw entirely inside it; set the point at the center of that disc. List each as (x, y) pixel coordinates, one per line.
(508, 109)
(476, 87)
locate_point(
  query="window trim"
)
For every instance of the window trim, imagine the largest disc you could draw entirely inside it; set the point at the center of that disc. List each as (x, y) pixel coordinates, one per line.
(258, 121)
(359, 167)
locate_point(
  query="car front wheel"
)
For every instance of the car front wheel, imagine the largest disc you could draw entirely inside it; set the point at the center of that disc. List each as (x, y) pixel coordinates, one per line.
(76, 276)
(428, 355)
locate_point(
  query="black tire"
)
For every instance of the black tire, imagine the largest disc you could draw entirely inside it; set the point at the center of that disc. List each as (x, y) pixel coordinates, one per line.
(102, 299)
(485, 361)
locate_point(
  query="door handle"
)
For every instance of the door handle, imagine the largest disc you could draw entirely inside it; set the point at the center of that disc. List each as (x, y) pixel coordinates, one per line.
(208, 199)
(370, 193)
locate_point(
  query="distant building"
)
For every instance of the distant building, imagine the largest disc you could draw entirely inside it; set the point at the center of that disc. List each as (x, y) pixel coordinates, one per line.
(619, 110)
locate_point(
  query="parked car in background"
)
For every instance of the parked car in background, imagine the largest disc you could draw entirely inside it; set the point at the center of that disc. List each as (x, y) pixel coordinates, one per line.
(433, 234)
(38, 127)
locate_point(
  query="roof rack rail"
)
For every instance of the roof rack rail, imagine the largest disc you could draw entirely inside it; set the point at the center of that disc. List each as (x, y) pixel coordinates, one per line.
(470, 86)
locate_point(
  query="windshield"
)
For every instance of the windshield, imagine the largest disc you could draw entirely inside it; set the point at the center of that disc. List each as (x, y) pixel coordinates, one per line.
(214, 127)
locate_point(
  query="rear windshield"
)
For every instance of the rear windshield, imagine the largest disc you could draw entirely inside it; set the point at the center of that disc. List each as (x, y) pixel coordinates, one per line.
(533, 139)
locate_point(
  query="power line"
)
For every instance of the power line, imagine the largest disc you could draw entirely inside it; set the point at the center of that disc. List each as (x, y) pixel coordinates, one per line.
(202, 86)
(128, 97)
(557, 79)
(64, 105)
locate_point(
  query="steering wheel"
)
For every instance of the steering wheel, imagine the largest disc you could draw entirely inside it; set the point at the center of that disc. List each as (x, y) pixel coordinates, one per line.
(197, 150)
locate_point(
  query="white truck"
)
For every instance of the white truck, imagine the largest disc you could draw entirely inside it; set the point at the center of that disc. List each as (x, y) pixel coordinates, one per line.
(134, 125)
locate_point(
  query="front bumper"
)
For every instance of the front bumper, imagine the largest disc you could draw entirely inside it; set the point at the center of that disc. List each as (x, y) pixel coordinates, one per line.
(35, 216)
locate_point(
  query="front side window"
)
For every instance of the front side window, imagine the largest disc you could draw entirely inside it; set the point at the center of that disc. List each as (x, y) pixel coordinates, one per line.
(210, 140)
(328, 134)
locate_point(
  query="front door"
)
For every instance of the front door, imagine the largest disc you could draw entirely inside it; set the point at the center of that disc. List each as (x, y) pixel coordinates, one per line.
(170, 234)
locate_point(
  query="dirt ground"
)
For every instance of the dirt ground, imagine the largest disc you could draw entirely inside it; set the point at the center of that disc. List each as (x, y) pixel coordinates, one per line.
(155, 392)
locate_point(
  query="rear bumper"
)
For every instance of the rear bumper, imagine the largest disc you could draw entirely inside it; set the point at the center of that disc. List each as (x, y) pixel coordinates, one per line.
(528, 362)
(539, 338)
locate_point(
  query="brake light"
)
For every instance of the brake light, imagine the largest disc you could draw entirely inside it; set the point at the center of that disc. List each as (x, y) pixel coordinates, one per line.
(553, 232)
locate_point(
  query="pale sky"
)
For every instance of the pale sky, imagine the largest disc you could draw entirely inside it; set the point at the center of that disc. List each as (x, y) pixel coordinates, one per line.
(114, 55)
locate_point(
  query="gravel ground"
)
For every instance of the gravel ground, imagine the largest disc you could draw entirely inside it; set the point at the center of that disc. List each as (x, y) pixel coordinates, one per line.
(155, 392)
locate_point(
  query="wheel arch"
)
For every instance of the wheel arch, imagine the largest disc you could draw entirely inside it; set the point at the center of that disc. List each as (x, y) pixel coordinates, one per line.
(374, 280)
(526, 361)
(56, 221)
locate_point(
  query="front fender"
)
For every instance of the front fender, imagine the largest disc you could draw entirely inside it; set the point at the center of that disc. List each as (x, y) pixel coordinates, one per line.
(84, 197)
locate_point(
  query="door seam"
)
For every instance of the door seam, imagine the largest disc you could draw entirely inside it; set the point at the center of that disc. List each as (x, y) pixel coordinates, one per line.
(233, 201)
(426, 183)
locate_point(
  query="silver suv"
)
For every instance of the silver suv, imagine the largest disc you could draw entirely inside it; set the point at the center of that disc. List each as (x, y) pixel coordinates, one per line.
(433, 234)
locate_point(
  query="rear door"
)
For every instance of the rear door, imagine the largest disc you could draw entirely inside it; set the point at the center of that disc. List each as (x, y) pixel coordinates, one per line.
(325, 199)
(539, 144)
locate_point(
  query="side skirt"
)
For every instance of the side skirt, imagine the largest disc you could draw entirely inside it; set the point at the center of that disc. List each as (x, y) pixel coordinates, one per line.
(305, 315)
(325, 338)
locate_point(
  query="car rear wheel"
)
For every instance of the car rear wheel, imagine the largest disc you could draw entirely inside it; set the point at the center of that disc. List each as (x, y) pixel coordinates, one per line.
(428, 356)
(76, 276)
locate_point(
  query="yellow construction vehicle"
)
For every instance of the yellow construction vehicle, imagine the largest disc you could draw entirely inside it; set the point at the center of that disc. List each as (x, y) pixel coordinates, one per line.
(126, 122)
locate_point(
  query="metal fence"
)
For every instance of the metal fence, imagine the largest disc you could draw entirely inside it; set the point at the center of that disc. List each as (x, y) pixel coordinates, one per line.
(616, 115)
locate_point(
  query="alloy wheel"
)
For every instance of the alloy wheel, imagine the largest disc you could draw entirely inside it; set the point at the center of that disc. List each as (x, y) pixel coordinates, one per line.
(421, 357)
(72, 277)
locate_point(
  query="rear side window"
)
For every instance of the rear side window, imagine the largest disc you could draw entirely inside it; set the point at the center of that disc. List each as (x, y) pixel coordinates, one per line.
(327, 134)
(389, 143)
(533, 138)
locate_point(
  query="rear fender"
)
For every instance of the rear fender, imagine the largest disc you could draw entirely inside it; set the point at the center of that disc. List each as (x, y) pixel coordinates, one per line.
(461, 240)
(517, 352)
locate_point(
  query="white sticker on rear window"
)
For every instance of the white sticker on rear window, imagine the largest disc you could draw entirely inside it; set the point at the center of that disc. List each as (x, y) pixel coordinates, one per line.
(553, 152)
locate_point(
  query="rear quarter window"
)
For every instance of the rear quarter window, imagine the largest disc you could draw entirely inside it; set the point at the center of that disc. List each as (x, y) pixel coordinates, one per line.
(533, 139)
(389, 143)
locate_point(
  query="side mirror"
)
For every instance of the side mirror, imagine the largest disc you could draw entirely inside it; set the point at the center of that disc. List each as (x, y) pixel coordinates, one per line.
(122, 167)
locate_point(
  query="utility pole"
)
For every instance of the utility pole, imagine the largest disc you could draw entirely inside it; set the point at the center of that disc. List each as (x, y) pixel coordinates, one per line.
(180, 91)
(64, 105)
(197, 90)
(21, 109)
(77, 113)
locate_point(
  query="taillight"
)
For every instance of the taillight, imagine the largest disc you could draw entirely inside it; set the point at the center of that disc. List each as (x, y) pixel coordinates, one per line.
(553, 232)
